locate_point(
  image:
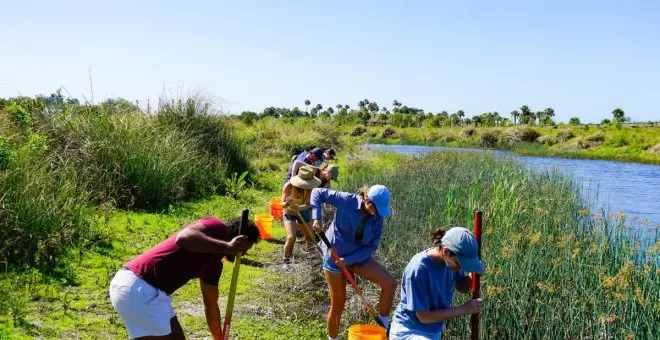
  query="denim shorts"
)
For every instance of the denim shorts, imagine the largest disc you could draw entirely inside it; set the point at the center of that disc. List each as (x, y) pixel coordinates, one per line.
(306, 215)
(329, 264)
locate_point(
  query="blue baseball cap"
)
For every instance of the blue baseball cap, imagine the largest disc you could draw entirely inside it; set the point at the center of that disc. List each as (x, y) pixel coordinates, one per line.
(462, 243)
(318, 152)
(380, 196)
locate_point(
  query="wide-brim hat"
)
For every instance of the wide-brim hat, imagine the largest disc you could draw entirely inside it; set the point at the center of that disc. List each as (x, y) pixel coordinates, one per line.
(334, 170)
(305, 179)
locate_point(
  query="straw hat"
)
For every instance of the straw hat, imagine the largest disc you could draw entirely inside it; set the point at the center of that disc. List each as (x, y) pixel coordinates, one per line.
(305, 179)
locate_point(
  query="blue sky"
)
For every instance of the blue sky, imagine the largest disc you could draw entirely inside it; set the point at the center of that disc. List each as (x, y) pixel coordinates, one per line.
(583, 58)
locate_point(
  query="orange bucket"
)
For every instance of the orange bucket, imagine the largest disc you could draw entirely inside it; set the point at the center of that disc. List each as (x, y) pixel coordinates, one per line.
(276, 207)
(367, 332)
(264, 223)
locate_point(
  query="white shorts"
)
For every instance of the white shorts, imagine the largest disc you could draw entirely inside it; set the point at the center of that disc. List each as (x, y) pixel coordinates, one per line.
(401, 332)
(144, 309)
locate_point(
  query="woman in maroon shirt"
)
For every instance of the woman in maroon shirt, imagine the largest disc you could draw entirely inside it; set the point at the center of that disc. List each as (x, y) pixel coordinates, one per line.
(140, 291)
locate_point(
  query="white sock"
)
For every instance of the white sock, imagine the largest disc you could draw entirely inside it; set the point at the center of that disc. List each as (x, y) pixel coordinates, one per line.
(331, 338)
(385, 320)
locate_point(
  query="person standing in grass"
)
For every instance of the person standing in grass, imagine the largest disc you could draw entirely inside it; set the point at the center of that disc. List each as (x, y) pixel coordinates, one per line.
(429, 282)
(140, 291)
(355, 233)
(295, 199)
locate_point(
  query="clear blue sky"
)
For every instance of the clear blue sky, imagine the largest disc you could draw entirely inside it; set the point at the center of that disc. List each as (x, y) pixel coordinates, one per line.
(583, 58)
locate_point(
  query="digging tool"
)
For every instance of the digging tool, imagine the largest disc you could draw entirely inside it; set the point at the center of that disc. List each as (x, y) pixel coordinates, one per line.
(347, 274)
(234, 278)
(476, 279)
(307, 230)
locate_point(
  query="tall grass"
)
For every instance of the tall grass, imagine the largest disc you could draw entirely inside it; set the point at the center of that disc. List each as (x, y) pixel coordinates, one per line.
(42, 210)
(58, 160)
(554, 269)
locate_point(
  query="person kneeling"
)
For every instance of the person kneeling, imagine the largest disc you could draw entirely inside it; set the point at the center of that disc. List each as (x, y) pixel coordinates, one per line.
(140, 291)
(428, 284)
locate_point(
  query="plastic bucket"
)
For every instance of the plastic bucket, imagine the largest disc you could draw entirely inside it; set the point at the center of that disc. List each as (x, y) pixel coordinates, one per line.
(264, 223)
(367, 332)
(276, 207)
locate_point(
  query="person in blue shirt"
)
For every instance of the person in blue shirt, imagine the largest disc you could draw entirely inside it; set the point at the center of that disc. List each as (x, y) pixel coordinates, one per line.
(354, 233)
(429, 282)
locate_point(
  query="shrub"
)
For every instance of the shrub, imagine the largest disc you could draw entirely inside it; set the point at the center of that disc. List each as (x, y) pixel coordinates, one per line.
(467, 133)
(564, 135)
(358, 131)
(490, 138)
(388, 132)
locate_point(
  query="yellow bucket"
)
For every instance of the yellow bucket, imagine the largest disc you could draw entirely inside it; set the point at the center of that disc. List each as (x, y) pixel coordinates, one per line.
(367, 332)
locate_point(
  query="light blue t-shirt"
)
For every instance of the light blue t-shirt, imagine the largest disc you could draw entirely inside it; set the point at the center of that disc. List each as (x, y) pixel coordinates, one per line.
(426, 285)
(344, 232)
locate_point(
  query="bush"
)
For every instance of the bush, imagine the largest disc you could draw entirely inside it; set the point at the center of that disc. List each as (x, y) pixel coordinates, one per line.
(467, 133)
(387, 133)
(597, 137)
(358, 131)
(490, 138)
(43, 211)
(564, 135)
(214, 134)
(523, 134)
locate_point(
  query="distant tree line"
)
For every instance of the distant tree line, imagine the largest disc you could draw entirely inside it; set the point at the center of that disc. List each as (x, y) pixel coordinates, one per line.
(370, 113)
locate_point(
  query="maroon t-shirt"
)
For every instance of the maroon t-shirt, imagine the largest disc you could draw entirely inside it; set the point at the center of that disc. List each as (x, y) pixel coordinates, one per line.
(167, 266)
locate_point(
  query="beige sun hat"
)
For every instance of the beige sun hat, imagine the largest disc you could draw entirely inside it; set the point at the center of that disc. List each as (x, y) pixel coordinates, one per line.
(305, 179)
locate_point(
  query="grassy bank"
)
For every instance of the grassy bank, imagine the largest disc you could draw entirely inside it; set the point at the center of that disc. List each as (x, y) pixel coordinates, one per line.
(625, 144)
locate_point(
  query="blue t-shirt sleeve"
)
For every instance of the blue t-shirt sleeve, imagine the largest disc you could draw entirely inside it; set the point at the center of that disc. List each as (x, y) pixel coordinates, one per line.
(323, 195)
(417, 289)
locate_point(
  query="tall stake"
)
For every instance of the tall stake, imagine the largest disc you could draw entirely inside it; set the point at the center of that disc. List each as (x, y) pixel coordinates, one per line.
(234, 278)
(476, 280)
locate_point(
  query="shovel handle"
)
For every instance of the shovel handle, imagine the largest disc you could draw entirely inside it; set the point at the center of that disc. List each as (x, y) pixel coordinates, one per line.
(234, 279)
(476, 279)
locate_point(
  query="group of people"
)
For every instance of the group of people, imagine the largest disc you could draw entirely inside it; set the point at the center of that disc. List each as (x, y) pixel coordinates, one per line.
(140, 291)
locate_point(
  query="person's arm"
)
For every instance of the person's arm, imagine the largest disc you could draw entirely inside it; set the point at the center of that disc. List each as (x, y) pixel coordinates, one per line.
(320, 196)
(286, 193)
(438, 315)
(194, 238)
(213, 319)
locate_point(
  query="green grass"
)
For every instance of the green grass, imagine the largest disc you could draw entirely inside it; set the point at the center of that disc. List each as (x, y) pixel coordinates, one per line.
(74, 303)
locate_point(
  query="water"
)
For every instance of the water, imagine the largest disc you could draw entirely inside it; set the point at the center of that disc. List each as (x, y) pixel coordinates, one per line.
(617, 187)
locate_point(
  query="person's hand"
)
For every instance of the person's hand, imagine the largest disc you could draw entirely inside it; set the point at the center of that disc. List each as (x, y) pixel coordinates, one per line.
(473, 306)
(238, 245)
(317, 226)
(341, 263)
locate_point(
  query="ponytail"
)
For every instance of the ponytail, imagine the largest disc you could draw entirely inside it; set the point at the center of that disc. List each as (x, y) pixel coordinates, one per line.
(436, 237)
(362, 192)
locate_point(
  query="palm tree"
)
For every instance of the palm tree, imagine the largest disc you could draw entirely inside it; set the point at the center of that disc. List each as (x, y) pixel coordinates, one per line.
(525, 114)
(460, 115)
(307, 102)
(319, 107)
(515, 114)
(339, 106)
